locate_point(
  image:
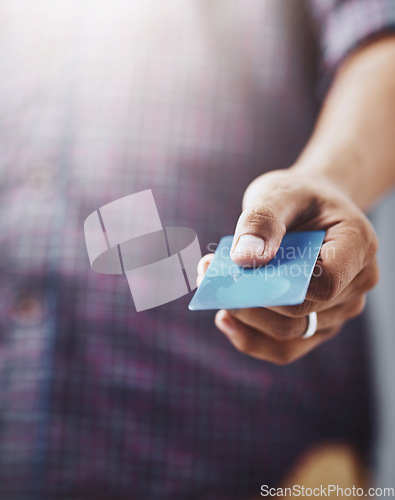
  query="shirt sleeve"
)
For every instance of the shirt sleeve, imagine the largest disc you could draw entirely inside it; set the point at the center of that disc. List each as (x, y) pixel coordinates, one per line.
(342, 25)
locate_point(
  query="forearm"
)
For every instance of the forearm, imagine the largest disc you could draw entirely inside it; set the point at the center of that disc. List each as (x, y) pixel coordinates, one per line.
(353, 144)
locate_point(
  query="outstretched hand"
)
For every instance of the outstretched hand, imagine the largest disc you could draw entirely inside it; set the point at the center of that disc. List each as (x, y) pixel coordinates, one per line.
(288, 200)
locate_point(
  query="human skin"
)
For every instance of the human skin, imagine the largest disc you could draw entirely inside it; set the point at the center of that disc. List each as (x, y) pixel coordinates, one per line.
(346, 166)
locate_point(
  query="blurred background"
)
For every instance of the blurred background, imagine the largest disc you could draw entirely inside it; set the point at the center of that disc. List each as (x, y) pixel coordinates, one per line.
(192, 99)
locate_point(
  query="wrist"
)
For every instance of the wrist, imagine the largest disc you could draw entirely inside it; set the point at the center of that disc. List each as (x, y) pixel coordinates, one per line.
(339, 168)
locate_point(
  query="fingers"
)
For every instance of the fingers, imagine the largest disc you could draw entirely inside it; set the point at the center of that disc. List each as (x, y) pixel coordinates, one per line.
(258, 235)
(362, 283)
(250, 341)
(281, 201)
(281, 327)
(276, 202)
(347, 249)
(271, 204)
(270, 323)
(204, 262)
(202, 267)
(264, 334)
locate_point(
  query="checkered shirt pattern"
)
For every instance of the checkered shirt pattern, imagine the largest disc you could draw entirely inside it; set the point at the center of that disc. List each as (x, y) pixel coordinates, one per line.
(192, 99)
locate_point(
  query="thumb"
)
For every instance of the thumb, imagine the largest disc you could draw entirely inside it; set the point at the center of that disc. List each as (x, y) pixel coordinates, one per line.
(258, 235)
(268, 210)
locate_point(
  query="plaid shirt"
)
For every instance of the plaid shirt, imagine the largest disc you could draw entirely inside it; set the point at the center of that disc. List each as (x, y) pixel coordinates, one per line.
(193, 100)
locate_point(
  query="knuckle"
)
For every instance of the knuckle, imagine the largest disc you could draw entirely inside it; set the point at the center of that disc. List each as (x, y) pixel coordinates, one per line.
(258, 217)
(301, 310)
(327, 287)
(368, 235)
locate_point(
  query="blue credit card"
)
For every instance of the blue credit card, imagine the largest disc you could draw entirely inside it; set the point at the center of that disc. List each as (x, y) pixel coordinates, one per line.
(282, 282)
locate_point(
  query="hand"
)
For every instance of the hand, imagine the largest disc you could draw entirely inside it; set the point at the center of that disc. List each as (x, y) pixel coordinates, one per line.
(288, 200)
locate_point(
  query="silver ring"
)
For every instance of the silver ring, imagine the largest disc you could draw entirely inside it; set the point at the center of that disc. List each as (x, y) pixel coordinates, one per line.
(311, 325)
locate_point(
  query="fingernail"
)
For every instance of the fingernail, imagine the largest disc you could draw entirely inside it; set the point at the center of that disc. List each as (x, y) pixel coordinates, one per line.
(249, 245)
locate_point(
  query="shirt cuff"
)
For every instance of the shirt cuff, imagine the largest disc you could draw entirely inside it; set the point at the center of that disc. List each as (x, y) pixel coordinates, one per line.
(352, 23)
